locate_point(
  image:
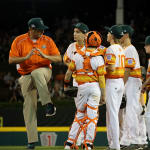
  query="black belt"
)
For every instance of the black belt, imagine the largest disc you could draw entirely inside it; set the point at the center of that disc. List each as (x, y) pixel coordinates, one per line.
(28, 74)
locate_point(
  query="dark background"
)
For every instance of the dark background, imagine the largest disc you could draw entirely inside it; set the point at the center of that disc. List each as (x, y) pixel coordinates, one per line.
(16, 13)
(60, 15)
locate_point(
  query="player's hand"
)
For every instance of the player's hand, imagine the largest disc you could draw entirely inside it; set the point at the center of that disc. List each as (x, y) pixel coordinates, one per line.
(143, 89)
(143, 110)
(41, 53)
(32, 52)
(102, 100)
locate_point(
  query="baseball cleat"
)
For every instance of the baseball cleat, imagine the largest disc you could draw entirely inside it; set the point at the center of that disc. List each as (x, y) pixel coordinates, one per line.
(132, 147)
(108, 148)
(124, 147)
(68, 145)
(30, 146)
(50, 110)
(89, 146)
(142, 147)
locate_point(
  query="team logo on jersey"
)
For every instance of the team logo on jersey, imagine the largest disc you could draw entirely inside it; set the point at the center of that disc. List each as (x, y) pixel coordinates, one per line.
(101, 47)
(109, 57)
(43, 46)
(130, 61)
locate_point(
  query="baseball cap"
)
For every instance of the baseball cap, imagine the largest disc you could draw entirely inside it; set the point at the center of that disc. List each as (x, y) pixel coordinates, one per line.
(93, 39)
(116, 30)
(127, 29)
(82, 27)
(147, 40)
(37, 23)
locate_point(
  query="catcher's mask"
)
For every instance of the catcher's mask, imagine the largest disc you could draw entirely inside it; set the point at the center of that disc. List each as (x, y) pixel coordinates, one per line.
(93, 39)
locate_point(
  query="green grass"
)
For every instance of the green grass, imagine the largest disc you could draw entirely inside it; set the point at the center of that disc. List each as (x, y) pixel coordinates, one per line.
(40, 148)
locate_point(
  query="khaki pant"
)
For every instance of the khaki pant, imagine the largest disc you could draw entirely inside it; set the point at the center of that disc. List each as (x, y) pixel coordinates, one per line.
(30, 85)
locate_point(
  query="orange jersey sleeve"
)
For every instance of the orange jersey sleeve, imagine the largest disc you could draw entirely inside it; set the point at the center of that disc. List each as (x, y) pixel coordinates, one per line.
(15, 49)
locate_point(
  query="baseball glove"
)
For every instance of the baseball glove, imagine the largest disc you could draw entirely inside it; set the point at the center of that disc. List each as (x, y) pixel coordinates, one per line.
(123, 103)
(69, 90)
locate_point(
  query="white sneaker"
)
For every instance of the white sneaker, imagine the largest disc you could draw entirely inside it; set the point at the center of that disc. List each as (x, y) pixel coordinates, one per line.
(67, 147)
(89, 148)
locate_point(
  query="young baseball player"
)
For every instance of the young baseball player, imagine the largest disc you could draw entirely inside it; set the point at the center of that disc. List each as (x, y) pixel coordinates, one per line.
(142, 121)
(146, 86)
(114, 84)
(89, 67)
(132, 79)
(80, 30)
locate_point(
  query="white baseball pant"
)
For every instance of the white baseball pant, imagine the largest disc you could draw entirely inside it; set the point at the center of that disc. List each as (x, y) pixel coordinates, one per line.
(114, 93)
(88, 93)
(131, 130)
(147, 116)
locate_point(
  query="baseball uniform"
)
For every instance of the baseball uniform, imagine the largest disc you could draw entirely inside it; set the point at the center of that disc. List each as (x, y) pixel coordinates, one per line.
(131, 124)
(88, 96)
(147, 114)
(114, 92)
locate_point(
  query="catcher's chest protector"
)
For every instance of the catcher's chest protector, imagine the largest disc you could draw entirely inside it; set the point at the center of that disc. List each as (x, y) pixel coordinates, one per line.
(87, 55)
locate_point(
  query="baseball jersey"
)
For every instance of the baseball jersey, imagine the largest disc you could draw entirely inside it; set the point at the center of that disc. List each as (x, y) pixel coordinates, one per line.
(22, 45)
(70, 52)
(148, 73)
(115, 55)
(102, 49)
(87, 69)
(72, 49)
(132, 61)
(148, 69)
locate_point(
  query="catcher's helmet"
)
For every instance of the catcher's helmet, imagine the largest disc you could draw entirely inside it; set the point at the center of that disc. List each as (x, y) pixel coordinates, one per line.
(93, 39)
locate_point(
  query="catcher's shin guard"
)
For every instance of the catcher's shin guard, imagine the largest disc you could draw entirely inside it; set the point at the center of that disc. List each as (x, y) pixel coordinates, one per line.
(80, 123)
(90, 120)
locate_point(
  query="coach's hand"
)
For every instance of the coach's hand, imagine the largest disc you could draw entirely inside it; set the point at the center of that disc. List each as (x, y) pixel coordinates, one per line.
(32, 52)
(41, 53)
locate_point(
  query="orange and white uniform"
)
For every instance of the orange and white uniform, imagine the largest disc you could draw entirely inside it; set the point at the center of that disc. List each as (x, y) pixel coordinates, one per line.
(114, 92)
(148, 74)
(69, 54)
(88, 67)
(131, 125)
(147, 114)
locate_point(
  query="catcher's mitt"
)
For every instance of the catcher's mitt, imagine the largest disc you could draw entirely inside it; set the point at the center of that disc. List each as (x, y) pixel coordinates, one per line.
(123, 103)
(69, 90)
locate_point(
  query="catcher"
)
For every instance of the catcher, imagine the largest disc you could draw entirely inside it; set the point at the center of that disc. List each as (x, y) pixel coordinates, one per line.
(89, 67)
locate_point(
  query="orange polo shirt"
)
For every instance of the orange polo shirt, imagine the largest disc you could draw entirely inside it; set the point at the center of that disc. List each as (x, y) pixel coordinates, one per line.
(22, 45)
